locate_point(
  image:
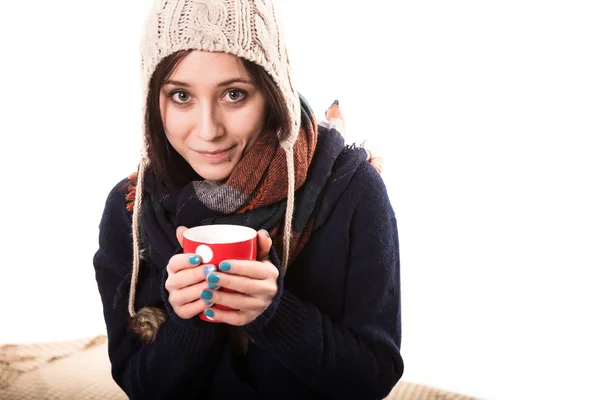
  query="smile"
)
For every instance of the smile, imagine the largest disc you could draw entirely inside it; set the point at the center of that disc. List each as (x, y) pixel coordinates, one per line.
(215, 156)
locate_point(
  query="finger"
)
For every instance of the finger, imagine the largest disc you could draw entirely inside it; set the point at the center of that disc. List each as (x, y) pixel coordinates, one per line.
(264, 244)
(179, 234)
(188, 277)
(186, 295)
(235, 318)
(236, 301)
(253, 287)
(189, 310)
(183, 261)
(251, 269)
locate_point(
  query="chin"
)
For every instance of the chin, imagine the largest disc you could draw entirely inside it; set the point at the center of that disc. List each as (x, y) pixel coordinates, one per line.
(214, 174)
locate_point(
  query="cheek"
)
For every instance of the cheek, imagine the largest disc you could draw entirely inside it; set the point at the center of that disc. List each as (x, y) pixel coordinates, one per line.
(248, 124)
(176, 123)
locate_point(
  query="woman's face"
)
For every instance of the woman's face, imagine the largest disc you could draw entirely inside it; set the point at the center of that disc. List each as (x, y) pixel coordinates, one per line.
(212, 112)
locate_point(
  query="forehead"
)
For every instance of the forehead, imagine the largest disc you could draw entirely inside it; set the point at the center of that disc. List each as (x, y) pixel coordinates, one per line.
(208, 68)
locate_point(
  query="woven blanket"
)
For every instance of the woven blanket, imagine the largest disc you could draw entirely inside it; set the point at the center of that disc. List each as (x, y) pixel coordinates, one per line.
(80, 369)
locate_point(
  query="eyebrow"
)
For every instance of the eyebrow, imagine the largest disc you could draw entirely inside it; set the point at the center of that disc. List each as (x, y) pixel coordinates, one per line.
(224, 83)
(175, 83)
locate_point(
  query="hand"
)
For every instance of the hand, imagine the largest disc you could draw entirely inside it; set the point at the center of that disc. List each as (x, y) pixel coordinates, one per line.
(186, 281)
(255, 282)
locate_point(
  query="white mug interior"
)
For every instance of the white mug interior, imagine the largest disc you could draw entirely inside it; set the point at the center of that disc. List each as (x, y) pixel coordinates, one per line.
(220, 233)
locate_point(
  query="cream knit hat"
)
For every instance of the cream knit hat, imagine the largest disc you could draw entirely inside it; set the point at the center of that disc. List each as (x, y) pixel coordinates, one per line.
(244, 28)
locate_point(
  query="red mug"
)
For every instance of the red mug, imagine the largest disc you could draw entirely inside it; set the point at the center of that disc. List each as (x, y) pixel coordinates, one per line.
(216, 243)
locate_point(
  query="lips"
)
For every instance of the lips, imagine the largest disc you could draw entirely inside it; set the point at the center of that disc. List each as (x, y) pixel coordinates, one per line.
(212, 153)
(215, 156)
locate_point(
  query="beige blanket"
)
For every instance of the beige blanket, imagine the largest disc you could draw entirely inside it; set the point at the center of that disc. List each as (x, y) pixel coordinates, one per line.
(80, 369)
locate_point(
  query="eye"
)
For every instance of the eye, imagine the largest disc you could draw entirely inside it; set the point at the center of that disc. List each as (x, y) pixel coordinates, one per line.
(180, 97)
(235, 95)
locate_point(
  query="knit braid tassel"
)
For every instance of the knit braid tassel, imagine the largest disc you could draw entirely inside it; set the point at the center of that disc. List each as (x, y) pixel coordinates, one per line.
(146, 321)
(289, 210)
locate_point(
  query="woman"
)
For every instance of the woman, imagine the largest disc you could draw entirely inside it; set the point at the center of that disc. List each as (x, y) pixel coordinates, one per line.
(227, 139)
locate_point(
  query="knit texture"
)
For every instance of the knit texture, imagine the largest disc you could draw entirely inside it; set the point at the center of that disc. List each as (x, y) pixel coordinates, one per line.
(328, 334)
(245, 28)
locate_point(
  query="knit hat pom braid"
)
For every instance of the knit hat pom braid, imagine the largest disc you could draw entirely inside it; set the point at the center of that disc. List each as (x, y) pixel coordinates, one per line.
(245, 28)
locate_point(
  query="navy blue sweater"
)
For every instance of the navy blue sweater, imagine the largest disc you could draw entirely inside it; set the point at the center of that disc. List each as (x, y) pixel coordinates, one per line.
(333, 330)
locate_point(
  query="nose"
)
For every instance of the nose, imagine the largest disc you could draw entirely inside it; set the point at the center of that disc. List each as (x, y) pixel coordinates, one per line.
(208, 122)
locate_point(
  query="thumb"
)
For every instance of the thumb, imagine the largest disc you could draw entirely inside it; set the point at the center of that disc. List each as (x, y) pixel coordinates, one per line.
(264, 244)
(179, 234)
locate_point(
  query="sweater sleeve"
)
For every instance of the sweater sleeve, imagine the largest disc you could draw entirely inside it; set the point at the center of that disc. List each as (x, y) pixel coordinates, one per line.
(359, 355)
(179, 362)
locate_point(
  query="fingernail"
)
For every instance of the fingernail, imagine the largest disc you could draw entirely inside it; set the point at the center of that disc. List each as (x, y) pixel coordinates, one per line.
(225, 266)
(195, 259)
(212, 286)
(266, 233)
(206, 295)
(208, 269)
(208, 303)
(209, 313)
(213, 278)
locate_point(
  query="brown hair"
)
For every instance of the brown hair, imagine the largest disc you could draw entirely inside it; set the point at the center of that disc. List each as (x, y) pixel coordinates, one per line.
(169, 168)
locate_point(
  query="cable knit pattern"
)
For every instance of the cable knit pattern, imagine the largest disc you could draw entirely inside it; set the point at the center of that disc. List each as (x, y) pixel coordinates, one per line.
(245, 28)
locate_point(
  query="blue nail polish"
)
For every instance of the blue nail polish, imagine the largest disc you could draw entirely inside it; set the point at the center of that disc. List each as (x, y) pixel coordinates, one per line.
(208, 269)
(267, 232)
(212, 278)
(209, 313)
(212, 286)
(195, 259)
(206, 295)
(225, 266)
(208, 303)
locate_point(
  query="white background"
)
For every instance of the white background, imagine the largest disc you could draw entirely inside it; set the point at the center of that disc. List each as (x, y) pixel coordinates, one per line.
(487, 114)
